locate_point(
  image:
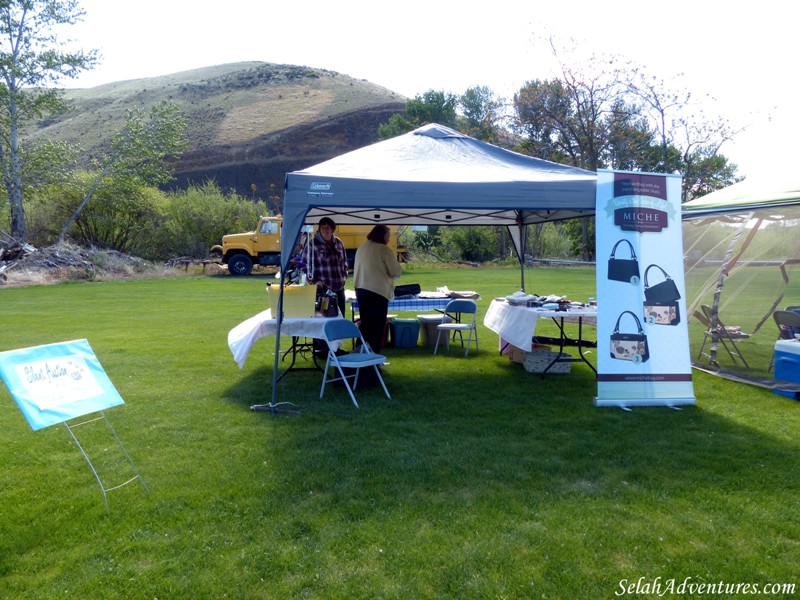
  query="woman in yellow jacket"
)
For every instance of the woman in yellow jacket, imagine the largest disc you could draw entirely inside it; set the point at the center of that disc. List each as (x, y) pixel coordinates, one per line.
(376, 268)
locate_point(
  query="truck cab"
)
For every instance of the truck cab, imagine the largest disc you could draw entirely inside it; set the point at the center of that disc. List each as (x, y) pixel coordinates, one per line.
(262, 246)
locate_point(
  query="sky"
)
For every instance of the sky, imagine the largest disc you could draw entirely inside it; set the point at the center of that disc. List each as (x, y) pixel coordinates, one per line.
(738, 62)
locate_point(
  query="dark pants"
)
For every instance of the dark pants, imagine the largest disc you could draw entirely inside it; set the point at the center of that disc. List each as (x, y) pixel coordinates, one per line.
(372, 309)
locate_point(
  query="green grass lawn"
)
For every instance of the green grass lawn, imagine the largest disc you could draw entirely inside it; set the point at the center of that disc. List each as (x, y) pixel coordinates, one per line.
(476, 480)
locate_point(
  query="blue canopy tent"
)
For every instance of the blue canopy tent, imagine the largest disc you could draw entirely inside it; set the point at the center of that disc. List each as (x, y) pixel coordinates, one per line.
(433, 176)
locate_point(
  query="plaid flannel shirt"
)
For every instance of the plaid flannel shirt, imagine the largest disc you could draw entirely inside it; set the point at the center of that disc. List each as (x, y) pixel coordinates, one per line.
(330, 263)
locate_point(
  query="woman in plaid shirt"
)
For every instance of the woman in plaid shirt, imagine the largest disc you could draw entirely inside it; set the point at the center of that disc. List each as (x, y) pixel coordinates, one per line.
(328, 263)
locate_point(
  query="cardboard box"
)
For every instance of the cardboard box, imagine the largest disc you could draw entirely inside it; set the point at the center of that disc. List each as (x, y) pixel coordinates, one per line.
(298, 300)
(787, 365)
(515, 354)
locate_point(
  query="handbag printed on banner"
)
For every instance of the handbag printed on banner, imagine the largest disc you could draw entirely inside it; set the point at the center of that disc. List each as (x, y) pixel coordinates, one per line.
(623, 269)
(662, 313)
(666, 291)
(629, 346)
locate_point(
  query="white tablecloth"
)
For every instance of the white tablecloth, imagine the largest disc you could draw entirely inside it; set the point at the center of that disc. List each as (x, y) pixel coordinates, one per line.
(242, 337)
(517, 324)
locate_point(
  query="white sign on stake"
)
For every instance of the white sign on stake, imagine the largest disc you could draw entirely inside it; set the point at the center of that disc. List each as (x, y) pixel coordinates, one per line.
(57, 382)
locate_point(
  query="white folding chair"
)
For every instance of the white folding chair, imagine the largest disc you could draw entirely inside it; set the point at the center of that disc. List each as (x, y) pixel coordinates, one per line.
(455, 310)
(342, 329)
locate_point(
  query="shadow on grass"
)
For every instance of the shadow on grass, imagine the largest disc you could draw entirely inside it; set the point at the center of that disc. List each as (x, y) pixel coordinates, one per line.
(463, 426)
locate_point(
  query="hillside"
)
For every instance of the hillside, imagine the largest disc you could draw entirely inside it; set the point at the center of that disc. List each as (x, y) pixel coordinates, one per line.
(249, 123)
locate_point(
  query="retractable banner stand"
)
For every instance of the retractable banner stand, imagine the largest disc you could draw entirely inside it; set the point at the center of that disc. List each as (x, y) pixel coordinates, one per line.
(642, 336)
(56, 383)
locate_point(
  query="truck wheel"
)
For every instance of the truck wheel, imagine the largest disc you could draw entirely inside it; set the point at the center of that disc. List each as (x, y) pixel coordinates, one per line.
(240, 265)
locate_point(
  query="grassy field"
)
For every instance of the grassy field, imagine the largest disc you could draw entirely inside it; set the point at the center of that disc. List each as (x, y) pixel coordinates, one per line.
(477, 480)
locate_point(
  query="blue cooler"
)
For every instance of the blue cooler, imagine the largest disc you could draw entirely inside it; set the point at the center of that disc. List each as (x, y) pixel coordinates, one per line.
(787, 365)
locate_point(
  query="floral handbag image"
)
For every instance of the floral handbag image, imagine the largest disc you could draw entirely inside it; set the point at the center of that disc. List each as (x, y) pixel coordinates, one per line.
(623, 269)
(661, 300)
(662, 313)
(629, 346)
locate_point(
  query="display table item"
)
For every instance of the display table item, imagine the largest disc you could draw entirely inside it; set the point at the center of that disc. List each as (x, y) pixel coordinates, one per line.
(517, 326)
(242, 337)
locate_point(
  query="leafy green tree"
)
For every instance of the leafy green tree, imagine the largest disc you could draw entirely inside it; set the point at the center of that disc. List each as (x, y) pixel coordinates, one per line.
(31, 59)
(396, 125)
(198, 217)
(475, 244)
(540, 106)
(480, 111)
(433, 107)
(430, 107)
(139, 154)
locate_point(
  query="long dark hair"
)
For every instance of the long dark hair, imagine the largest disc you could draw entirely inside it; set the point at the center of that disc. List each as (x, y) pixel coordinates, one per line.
(378, 234)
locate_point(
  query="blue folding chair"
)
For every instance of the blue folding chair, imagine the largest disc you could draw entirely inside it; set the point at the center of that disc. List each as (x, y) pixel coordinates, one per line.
(343, 329)
(454, 325)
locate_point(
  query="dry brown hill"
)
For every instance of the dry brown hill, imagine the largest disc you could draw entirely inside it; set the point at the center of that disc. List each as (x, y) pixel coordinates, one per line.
(249, 123)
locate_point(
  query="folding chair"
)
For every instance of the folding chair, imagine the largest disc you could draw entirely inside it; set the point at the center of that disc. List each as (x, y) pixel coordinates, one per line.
(726, 335)
(788, 322)
(342, 329)
(454, 324)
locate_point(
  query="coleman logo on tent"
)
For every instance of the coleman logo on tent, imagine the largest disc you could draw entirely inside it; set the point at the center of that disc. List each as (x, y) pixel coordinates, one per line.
(317, 186)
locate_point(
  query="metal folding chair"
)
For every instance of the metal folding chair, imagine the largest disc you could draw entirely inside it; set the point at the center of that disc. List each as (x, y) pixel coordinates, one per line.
(343, 329)
(727, 336)
(455, 325)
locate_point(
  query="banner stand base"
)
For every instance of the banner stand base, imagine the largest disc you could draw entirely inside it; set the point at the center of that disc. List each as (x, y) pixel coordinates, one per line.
(124, 457)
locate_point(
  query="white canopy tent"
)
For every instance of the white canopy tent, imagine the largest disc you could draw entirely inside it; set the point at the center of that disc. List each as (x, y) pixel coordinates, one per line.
(433, 176)
(742, 258)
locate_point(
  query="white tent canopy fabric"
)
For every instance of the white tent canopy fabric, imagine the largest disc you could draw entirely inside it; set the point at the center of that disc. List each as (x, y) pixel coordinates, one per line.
(742, 258)
(749, 194)
(435, 176)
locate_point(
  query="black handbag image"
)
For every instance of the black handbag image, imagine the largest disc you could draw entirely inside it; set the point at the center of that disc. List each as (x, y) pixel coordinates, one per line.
(662, 313)
(666, 291)
(629, 346)
(623, 269)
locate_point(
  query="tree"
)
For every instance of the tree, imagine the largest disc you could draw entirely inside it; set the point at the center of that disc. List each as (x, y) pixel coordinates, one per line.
(139, 153)
(31, 60)
(604, 113)
(430, 107)
(481, 113)
(690, 142)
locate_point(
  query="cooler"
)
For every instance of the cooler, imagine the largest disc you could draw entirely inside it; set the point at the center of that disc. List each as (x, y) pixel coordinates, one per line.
(404, 332)
(428, 325)
(787, 365)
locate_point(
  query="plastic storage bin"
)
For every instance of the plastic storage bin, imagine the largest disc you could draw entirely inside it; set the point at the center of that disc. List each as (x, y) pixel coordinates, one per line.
(404, 332)
(428, 324)
(787, 365)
